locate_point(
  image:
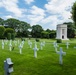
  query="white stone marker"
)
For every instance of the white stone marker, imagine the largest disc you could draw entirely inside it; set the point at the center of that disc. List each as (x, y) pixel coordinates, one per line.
(15, 42)
(30, 44)
(18, 41)
(6, 41)
(55, 46)
(35, 51)
(41, 45)
(61, 53)
(2, 44)
(22, 43)
(67, 45)
(10, 46)
(20, 48)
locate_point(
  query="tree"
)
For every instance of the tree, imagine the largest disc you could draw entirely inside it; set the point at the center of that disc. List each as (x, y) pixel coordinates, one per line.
(53, 34)
(70, 29)
(24, 26)
(36, 31)
(1, 21)
(9, 30)
(74, 13)
(2, 30)
(45, 34)
(12, 23)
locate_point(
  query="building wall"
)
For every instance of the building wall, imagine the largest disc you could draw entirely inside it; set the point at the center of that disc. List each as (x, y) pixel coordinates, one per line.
(61, 32)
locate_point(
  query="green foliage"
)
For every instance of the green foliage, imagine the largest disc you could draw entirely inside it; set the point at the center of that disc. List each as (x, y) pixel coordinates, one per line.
(59, 41)
(36, 31)
(45, 34)
(12, 36)
(11, 31)
(74, 13)
(9, 36)
(2, 30)
(1, 21)
(70, 30)
(12, 23)
(37, 40)
(53, 34)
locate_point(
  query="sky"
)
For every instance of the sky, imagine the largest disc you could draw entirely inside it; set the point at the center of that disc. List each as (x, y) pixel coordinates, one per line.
(47, 13)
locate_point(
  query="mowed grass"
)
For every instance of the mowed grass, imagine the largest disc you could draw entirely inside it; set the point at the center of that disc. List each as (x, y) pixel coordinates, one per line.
(46, 63)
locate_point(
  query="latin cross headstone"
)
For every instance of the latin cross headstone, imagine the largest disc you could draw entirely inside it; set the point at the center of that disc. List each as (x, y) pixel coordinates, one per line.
(61, 53)
(6, 41)
(35, 51)
(55, 46)
(67, 45)
(10, 46)
(2, 44)
(41, 45)
(10, 41)
(20, 49)
(18, 41)
(15, 42)
(30, 44)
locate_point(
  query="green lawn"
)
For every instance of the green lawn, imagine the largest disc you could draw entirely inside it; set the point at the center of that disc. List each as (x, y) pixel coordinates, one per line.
(46, 63)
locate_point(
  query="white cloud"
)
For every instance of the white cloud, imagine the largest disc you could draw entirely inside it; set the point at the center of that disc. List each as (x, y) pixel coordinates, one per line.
(36, 15)
(59, 11)
(8, 16)
(34, 19)
(37, 11)
(11, 6)
(29, 1)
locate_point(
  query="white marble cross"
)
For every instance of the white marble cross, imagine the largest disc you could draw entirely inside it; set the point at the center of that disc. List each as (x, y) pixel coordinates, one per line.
(30, 44)
(35, 51)
(10, 46)
(6, 41)
(61, 53)
(20, 48)
(10, 41)
(22, 43)
(2, 44)
(18, 41)
(55, 46)
(15, 42)
(41, 45)
(67, 45)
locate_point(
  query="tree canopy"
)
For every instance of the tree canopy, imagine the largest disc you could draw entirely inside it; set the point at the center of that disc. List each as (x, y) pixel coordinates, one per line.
(74, 13)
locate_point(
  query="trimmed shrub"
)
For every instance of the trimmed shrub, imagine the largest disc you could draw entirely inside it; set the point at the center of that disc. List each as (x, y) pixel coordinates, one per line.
(9, 30)
(59, 41)
(37, 40)
(9, 36)
(2, 30)
(12, 36)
